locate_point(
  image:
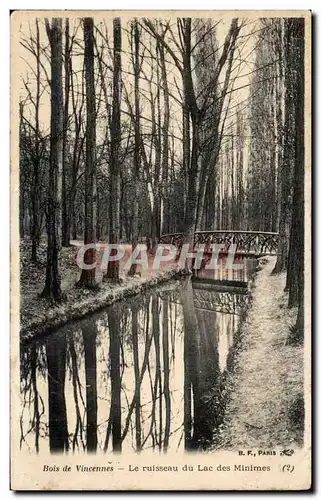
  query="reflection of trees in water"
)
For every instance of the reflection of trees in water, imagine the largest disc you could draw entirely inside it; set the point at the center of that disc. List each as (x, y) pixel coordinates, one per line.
(139, 375)
(36, 396)
(56, 348)
(114, 356)
(89, 332)
(157, 393)
(150, 359)
(29, 364)
(167, 395)
(77, 395)
(201, 372)
(138, 427)
(119, 367)
(43, 368)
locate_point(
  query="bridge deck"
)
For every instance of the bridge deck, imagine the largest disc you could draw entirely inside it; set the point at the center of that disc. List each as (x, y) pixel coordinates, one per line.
(248, 243)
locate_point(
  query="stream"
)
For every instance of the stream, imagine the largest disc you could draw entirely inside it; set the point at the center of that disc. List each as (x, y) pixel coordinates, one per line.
(145, 373)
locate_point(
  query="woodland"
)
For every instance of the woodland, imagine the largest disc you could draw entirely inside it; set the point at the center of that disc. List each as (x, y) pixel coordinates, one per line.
(134, 128)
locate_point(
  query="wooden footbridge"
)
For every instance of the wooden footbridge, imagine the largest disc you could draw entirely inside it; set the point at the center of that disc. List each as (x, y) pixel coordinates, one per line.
(252, 243)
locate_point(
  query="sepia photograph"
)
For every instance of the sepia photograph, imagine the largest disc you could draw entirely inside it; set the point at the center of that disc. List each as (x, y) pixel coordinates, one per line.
(160, 250)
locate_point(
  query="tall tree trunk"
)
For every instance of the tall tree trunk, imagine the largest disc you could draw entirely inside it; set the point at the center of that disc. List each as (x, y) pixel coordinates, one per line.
(87, 278)
(165, 207)
(52, 286)
(296, 260)
(191, 105)
(65, 215)
(211, 145)
(136, 171)
(285, 176)
(36, 162)
(115, 133)
(156, 184)
(186, 150)
(192, 189)
(23, 190)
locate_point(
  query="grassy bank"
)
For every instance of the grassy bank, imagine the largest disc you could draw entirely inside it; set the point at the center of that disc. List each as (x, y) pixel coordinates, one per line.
(265, 409)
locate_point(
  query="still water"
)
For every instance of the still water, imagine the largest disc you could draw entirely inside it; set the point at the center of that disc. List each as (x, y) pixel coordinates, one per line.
(146, 373)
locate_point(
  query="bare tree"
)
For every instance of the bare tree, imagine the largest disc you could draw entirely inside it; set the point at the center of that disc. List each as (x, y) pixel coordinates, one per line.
(56, 364)
(87, 278)
(33, 46)
(114, 195)
(53, 285)
(193, 113)
(295, 275)
(137, 157)
(65, 219)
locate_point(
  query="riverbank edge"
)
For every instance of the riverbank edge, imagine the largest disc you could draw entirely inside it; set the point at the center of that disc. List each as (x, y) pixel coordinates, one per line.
(94, 300)
(226, 438)
(227, 380)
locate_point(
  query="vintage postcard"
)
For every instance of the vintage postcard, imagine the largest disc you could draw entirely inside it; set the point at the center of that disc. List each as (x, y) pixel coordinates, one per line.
(160, 250)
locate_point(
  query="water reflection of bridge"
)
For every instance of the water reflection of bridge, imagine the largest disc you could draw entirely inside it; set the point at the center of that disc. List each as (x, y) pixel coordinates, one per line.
(221, 297)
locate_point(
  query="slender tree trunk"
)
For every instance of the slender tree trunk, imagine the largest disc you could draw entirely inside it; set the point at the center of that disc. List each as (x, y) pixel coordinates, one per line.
(285, 174)
(65, 215)
(74, 223)
(190, 104)
(274, 159)
(22, 213)
(52, 286)
(296, 271)
(186, 149)
(192, 190)
(165, 207)
(36, 159)
(23, 191)
(87, 278)
(156, 187)
(114, 195)
(136, 172)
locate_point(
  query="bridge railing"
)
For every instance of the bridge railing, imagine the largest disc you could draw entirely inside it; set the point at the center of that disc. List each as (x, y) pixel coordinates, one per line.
(256, 242)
